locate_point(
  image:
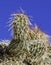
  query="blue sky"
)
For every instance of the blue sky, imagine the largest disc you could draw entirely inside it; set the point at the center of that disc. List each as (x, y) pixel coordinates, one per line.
(40, 10)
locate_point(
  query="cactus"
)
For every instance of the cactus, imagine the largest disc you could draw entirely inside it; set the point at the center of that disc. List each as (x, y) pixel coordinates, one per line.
(22, 34)
(20, 27)
(28, 46)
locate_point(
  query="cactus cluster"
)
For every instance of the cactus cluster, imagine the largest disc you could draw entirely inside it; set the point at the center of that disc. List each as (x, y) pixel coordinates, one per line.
(32, 43)
(28, 46)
